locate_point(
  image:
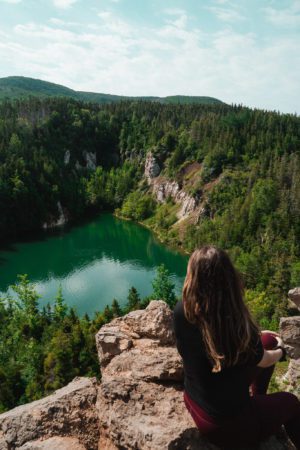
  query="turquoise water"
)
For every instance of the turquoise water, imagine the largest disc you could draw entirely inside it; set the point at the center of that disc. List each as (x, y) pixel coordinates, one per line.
(93, 262)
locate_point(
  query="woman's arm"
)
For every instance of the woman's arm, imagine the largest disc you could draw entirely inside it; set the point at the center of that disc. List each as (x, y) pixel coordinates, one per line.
(270, 357)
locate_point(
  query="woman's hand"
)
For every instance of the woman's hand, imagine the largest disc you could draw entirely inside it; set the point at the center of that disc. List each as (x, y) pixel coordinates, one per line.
(276, 336)
(270, 332)
(279, 340)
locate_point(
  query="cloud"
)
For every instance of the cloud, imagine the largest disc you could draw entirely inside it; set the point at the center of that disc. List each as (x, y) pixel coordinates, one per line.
(221, 2)
(63, 4)
(174, 11)
(63, 23)
(49, 34)
(113, 24)
(13, 2)
(117, 57)
(226, 14)
(286, 17)
(180, 22)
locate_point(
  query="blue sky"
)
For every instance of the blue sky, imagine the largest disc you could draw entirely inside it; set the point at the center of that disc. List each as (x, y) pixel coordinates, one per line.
(240, 51)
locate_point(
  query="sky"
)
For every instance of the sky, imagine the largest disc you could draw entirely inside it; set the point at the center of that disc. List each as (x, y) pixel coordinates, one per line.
(239, 51)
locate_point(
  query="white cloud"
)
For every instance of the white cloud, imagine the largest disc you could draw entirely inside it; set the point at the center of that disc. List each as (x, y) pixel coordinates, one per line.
(221, 2)
(287, 17)
(174, 11)
(63, 23)
(49, 34)
(116, 57)
(11, 1)
(63, 4)
(113, 24)
(180, 22)
(226, 14)
(105, 15)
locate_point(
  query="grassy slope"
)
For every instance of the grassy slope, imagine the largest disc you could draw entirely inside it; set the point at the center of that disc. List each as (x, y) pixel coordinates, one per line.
(19, 87)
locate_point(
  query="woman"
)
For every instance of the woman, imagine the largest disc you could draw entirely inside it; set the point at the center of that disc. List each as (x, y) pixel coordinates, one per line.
(224, 354)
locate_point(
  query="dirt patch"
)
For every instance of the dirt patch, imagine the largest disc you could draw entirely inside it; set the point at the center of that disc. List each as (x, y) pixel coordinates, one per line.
(189, 168)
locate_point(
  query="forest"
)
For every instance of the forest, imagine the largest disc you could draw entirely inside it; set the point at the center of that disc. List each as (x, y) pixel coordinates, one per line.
(43, 349)
(249, 158)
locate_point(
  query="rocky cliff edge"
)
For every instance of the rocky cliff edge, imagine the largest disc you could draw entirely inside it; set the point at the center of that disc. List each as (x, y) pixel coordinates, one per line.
(139, 402)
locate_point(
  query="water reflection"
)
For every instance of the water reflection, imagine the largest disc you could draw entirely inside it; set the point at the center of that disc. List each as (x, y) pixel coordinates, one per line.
(94, 262)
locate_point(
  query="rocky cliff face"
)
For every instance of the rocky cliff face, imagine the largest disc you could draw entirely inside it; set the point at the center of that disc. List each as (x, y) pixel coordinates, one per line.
(152, 168)
(163, 189)
(138, 404)
(290, 333)
(60, 221)
(65, 420)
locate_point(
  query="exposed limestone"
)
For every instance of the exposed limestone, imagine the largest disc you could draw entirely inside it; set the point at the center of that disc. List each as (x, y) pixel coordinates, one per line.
(62, 220)
(90, 160)
(290, 333)
(54, 443)
(69, 412)
(294, 295)
(163, 189)
(152, 168)
(67, 157)
(78, 166)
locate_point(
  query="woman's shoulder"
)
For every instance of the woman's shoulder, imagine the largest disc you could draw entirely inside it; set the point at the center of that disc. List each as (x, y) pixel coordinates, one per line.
(178, 308)
(178, 315)
(180, 321)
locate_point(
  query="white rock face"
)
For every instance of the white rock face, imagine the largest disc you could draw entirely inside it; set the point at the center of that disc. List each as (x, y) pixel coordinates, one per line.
(62, 220)
(152, 168)
(294, 295)
(54, 443)
(90, 159)
(164, 189)
(78, 166)
(67, 157)
(67, 417)
(290, 334)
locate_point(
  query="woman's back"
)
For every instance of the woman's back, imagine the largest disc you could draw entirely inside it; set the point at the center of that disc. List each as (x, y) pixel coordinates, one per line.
(218, 393)
(221, 347)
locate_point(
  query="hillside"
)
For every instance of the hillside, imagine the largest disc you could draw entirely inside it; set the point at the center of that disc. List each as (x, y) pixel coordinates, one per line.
(16, 87)
(195, 174)
(219, 174)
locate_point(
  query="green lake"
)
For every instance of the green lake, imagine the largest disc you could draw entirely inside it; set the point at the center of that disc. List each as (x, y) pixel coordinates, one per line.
(93, 262)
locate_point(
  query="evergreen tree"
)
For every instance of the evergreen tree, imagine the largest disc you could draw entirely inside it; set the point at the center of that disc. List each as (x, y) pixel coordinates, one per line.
(163, 288)
(60, 308)
(115, 308)
(133, 300)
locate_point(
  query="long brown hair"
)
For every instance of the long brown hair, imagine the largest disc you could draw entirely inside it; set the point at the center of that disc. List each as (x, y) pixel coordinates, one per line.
(213, 300)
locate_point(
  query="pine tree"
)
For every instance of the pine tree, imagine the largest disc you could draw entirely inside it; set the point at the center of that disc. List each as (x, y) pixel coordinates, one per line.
(133, 300)
(163, 288)
(60, 308)
(115, 308)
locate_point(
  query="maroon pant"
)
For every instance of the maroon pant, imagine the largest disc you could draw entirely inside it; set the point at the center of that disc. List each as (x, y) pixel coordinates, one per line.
(262, 417)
